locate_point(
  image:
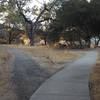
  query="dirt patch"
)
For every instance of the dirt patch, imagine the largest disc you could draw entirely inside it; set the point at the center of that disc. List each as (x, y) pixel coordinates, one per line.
(95, 81)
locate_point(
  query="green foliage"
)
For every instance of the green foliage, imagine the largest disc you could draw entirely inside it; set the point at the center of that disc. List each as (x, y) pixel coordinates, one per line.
(80, 15)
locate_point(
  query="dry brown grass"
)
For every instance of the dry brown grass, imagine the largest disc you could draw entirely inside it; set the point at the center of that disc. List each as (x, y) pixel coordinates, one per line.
(49, 58)
(5, 75)
(52, 59)
(54, 54)
(95, 82)
(4, 56)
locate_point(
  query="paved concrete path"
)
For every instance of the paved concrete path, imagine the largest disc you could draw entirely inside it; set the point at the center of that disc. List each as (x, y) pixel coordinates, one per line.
(69, 84)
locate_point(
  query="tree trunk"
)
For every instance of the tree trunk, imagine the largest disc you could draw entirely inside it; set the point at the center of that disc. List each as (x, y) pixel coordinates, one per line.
(9, 42)
(10, 38)
(97, 43)
(32, 35)
(88, 43)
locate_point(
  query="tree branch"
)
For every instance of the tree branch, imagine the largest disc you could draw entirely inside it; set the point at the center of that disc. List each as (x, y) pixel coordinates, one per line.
(22, 14)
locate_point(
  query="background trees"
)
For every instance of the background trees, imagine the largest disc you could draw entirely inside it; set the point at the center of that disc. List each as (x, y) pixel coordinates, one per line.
(74, 20)
(77, 20)
(18, 11)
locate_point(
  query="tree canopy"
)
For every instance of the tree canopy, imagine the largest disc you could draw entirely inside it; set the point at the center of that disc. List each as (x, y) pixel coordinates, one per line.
(74, 20)
(17, 14)
(77, 20)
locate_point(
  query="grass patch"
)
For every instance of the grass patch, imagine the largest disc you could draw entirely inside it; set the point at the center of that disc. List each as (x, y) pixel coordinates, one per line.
(95, 81)
(52, 59)
(4, 71)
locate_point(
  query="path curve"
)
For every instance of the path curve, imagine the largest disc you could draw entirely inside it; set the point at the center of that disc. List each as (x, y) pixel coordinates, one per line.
(69, 84)
(26, 74)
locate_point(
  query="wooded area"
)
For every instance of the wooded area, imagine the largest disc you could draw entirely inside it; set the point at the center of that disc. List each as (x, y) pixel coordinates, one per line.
(75, 22)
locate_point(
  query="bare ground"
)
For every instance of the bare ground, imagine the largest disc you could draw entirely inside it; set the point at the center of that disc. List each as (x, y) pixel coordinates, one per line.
(95, 81)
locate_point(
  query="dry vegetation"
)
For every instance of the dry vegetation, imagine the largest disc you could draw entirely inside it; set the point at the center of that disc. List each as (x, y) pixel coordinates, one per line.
(52, 59)
(48, 58)
(5, 92)
(95, 82)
